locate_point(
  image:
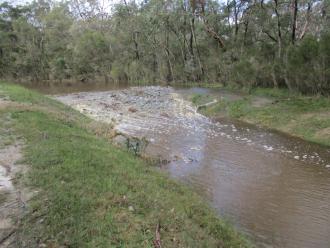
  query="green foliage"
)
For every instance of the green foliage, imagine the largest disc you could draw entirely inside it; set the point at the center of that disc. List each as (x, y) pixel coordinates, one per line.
(276, 93)
(246, 43)
(306, 63)
(136, 146)
(199, 99)
(237, 109)
(304, 54)
(245, 73)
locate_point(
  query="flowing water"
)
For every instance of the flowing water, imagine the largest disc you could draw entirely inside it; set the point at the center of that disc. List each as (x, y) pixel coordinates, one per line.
(274, 188)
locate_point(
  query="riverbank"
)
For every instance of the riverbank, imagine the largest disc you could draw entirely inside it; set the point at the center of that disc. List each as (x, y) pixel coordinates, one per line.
(306, 117)
(92, 194)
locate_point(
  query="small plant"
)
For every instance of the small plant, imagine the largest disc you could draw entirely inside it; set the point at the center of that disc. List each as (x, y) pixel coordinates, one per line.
(199, 99)
(136, 145)
(237, 108)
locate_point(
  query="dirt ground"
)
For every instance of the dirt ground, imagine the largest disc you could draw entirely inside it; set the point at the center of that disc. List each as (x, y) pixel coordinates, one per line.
(13, 195)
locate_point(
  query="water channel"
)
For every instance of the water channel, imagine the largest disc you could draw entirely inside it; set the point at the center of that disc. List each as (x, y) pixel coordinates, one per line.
(273, 187)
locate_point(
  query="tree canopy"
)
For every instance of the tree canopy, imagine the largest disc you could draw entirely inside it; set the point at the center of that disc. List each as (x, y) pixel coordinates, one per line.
(268, 43)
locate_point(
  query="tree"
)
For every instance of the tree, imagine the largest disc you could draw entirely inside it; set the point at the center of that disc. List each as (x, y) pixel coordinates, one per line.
(260, 43)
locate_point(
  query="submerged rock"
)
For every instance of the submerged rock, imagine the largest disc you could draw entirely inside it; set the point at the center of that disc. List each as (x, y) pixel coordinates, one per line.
(120, 140)
(130, 208)
(132, 109)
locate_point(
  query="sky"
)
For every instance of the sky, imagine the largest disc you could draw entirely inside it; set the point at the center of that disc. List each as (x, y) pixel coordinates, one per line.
(20, 2)
(105, 4)
(16, 2)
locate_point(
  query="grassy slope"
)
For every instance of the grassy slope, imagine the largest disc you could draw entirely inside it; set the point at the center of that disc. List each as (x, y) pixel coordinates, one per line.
(92, 194)
(305, 117)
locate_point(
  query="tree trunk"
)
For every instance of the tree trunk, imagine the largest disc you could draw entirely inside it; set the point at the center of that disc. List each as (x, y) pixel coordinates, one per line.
(236, 12)
(246, 27)
(154, 66)
(136, 45)
(191, 40)
(309, 7)
(294, 21)
(275, 83)
(279, 32)
(169, 77)
(201, 68)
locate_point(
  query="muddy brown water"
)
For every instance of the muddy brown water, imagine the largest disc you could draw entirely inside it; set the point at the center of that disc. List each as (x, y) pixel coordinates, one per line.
(272, 187)
(78, 86)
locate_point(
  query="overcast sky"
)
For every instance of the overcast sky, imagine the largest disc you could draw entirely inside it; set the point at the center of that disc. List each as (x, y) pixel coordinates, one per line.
(21, 2)
(16, 2)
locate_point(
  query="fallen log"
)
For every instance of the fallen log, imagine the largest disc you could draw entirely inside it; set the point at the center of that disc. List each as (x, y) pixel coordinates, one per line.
(199, 107)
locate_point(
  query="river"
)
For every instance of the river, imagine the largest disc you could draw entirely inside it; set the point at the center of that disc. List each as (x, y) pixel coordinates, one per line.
(272, 187)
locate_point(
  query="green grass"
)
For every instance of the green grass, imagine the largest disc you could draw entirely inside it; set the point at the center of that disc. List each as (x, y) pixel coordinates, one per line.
(199, 84)
(302, 116)
(199, 99)
(271, 92)
(92, 194)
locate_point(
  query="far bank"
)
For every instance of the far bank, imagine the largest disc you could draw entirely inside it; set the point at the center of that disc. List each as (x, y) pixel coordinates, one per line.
(306, 117)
